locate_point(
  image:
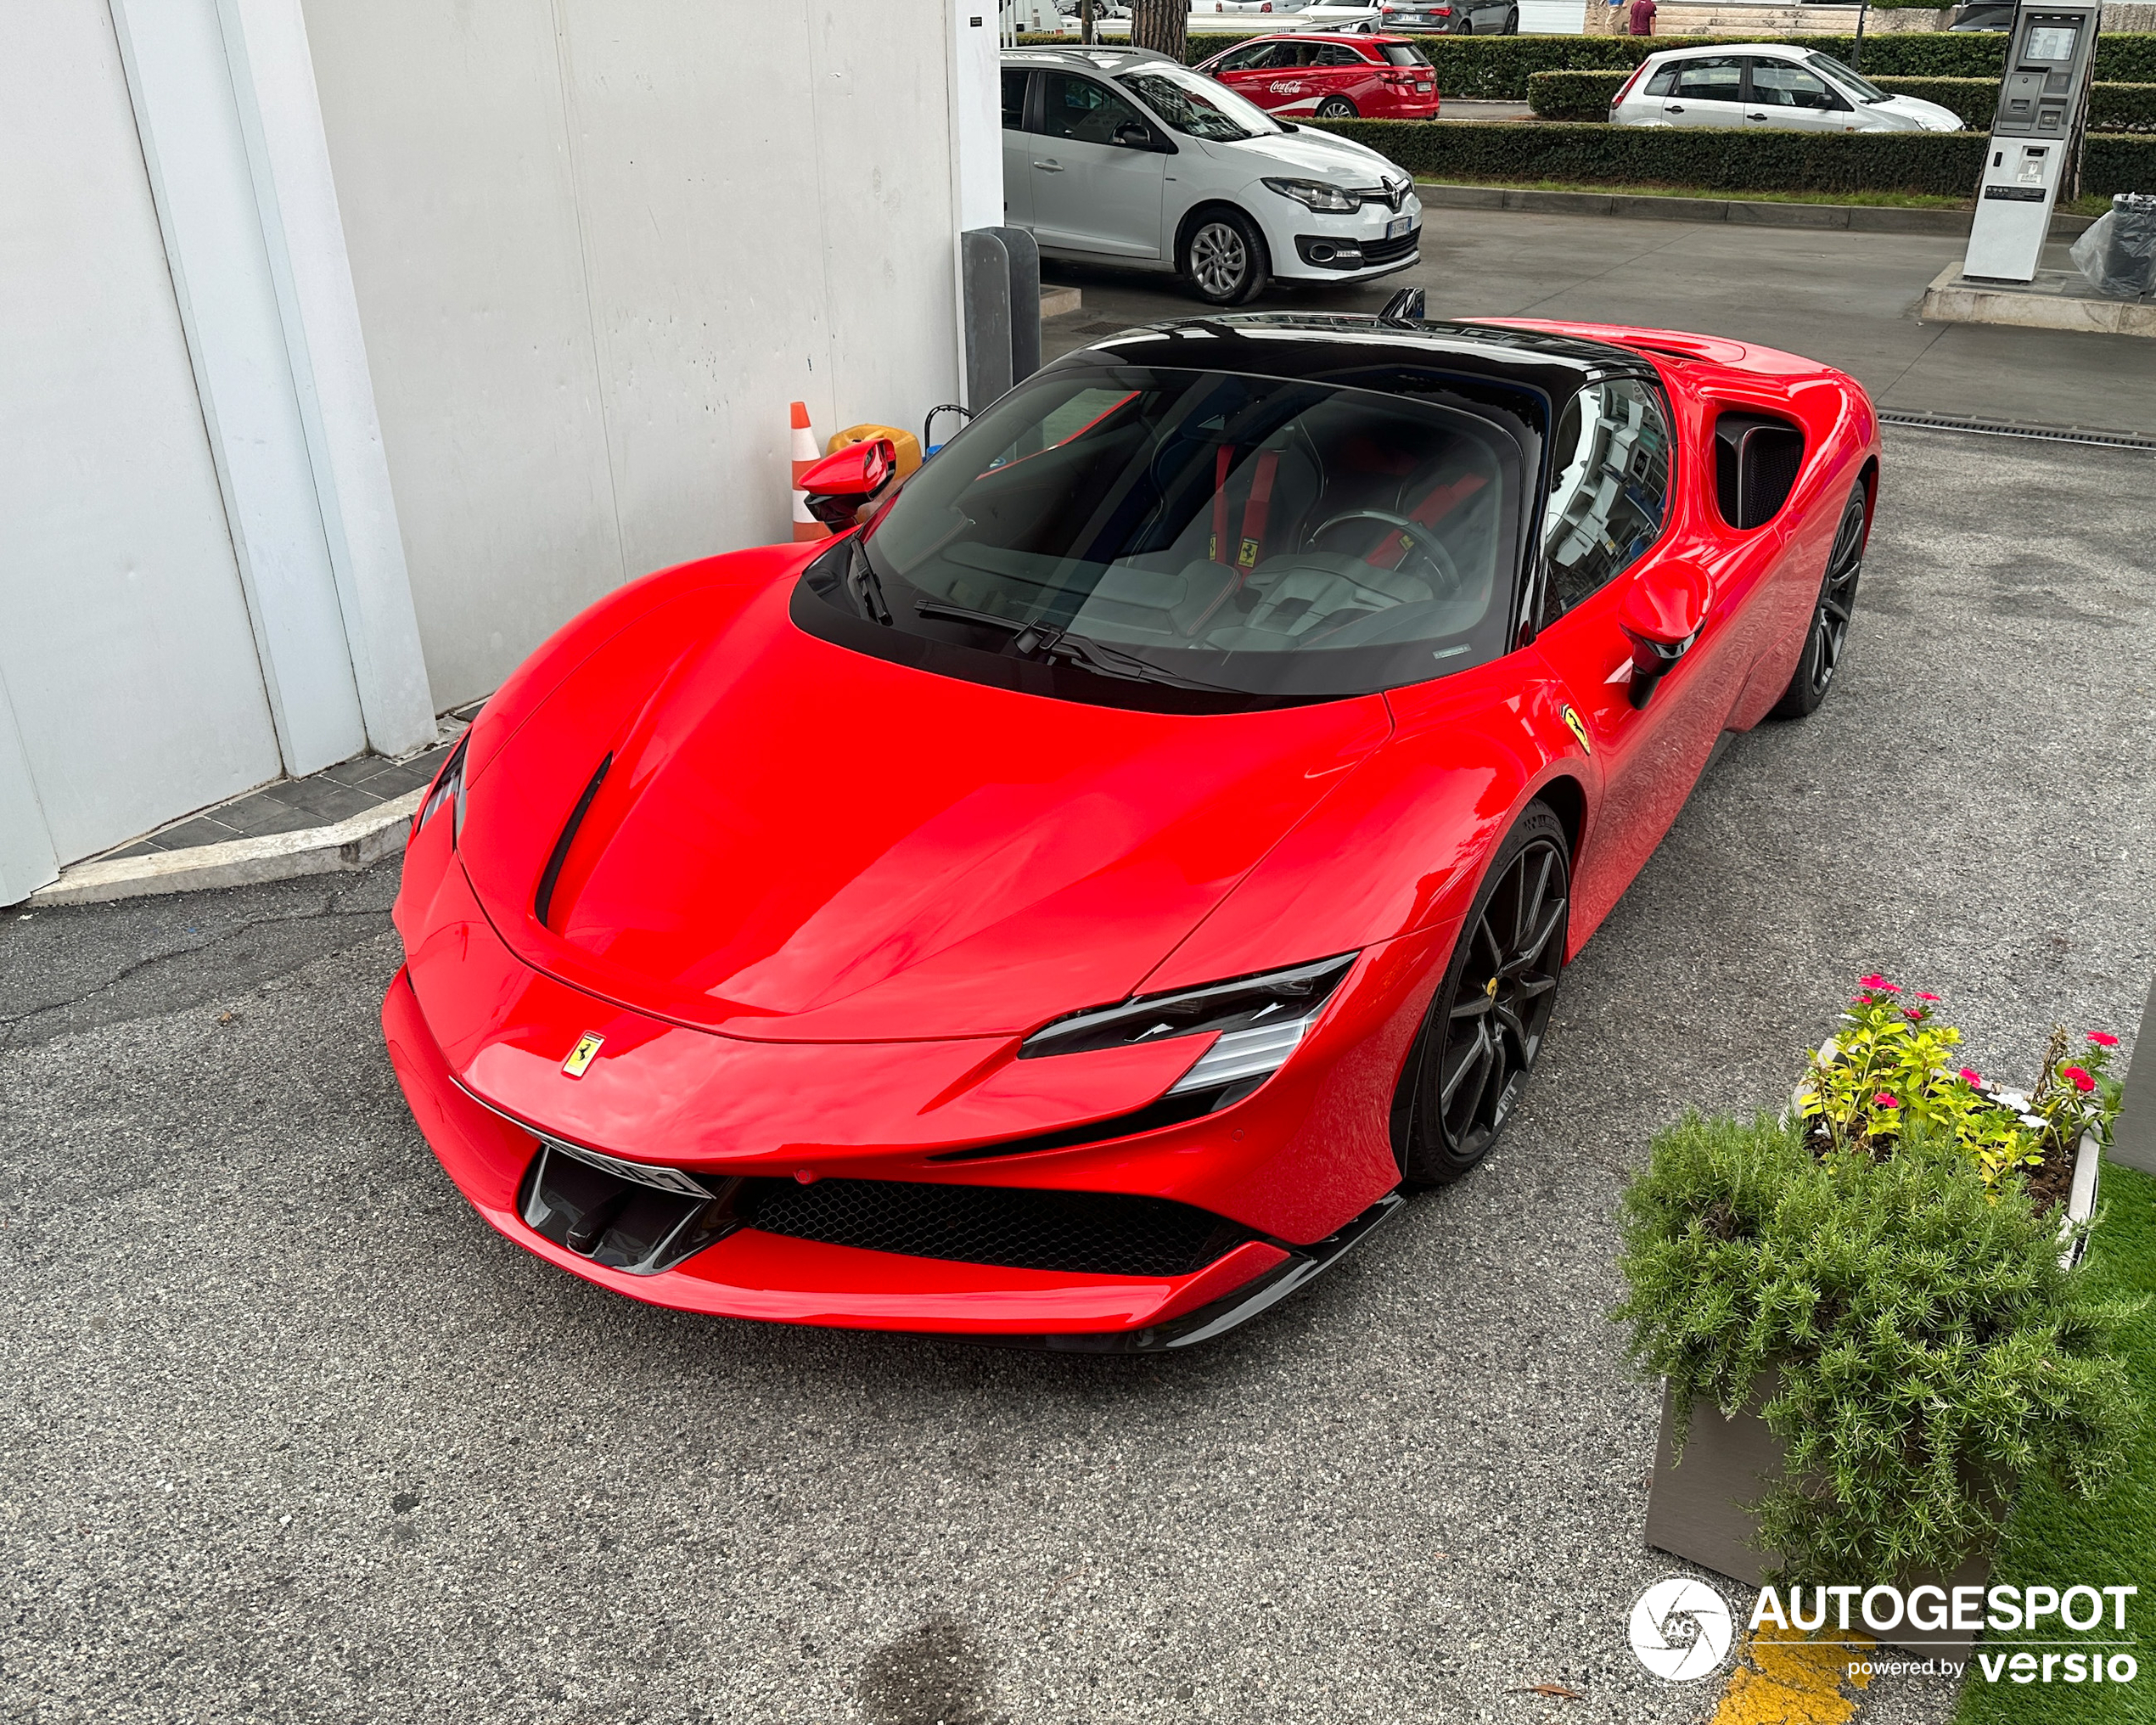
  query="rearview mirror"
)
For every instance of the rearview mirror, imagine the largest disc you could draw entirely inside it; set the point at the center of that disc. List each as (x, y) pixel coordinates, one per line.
(1131, 134)
(1661, 614)
(838, 485)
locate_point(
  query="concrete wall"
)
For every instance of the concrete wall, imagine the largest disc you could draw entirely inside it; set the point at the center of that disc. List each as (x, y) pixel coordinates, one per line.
(599, 245)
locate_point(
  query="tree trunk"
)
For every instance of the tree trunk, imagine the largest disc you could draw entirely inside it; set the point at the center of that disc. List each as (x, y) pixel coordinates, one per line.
(1160, 25)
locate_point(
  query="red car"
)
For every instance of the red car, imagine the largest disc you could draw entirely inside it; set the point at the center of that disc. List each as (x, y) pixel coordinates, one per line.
(1331, 77)
(1074, 908)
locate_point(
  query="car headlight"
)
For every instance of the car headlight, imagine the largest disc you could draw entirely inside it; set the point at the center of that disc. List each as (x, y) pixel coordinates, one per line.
(1260, 1020)
(448, 787)
(1316, 194)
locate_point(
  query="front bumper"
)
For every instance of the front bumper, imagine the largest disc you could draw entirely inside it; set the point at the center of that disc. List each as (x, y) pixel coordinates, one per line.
(749, 1272)
(1313, 247)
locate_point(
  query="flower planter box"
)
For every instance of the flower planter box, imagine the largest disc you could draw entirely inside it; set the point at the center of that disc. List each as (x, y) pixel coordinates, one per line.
(1693, 1511)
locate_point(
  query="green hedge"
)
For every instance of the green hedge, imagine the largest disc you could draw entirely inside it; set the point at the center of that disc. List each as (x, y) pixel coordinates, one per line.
(1496, 68)
(2112, 107)
(1940, 164)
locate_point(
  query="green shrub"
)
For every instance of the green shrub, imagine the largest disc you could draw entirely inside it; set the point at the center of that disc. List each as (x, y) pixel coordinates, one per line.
(1574, 95)
(1939, 164)
(1908, 1336)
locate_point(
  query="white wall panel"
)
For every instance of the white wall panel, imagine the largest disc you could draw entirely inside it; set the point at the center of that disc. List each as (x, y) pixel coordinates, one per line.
(599, 245)
(449, 143)
(126, 652)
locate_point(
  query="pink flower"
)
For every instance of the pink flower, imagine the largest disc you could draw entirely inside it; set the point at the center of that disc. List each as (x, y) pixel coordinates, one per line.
(1970, 1075)
(1921, 995)
(2102, 1040)
(1913, 1013)
(1879, 982)
(2079, 1079)
(1883, 1100)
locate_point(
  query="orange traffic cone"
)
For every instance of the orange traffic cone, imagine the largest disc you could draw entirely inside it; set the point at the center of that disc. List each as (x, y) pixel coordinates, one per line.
(805, 456)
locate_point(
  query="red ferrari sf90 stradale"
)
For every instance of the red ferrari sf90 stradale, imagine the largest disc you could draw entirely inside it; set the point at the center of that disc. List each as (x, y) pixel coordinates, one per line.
(1073, 908)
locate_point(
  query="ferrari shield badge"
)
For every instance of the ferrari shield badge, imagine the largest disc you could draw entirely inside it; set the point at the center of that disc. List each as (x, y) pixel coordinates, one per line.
(1573, 722)
(581, 1056)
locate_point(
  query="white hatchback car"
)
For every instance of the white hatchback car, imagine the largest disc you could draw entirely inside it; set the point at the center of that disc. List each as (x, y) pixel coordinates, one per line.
(1770, 84)
(1122, 156)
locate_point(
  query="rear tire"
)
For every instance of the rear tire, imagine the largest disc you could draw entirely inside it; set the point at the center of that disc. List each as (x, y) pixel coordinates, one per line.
(1512, 22)
(1224, 258)
(1486, 1024)
(1335, 108)
(1827, 636)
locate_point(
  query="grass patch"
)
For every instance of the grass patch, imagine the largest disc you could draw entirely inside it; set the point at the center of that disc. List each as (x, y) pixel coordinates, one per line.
(2111, 1540)
(1889, 200)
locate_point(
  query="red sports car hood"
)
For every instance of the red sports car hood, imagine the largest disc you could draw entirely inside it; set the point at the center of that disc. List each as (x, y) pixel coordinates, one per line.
(795, 841)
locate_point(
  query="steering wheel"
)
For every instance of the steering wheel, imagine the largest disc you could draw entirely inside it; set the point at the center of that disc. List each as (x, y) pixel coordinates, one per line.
(1420, 536)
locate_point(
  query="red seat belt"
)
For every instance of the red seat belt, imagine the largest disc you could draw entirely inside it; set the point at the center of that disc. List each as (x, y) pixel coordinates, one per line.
(1432, 508)
(1254, 511)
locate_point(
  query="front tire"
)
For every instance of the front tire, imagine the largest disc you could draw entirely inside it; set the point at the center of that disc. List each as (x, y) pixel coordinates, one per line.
(1512, 22)
(1485, 1027)
(1828, 635)
(1335, 108)
(1224, 258)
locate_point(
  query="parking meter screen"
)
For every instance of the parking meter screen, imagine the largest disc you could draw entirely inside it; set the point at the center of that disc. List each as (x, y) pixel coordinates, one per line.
(2051, 41)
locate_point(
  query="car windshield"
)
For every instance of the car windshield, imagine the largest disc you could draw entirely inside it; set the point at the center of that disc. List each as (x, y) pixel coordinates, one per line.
(1240, 536)
(1194, 105)
(1836, 73)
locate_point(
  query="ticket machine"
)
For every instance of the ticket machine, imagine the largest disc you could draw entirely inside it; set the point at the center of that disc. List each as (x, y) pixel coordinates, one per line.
(2036, 138)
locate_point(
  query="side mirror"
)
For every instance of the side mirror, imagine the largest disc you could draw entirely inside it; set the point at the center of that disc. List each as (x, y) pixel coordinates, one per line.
(1661, 614)
(838, 486)
(1134, 134)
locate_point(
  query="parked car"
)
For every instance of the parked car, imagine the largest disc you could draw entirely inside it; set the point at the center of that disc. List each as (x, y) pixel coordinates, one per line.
(1984, 14)
(1451, 17)
(1360, 20)
(1117, 155)
(1331, 77)
(1072, 908)
(1787, 87)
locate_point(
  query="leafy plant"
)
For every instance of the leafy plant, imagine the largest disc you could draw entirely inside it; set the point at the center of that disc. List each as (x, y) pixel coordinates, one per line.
(1892, 1067)
(1907, 1333)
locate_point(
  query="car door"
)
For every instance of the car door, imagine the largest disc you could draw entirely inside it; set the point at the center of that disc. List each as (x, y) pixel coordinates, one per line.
(1614, 467)
(1091, 194)
(1709, 90)
(1336, 70)
(1018, 150)
(1785, 96)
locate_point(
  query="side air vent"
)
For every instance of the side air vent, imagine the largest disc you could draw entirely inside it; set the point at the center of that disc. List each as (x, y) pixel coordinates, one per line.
(1756, 459)
(543, 902)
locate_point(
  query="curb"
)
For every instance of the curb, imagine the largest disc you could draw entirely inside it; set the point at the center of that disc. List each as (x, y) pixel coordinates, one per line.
(355, 843)
(1643, 206)
(1953, 299)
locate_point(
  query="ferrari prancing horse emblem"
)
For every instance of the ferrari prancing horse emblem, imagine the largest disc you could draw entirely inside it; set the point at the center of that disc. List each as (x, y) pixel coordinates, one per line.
(1578, 727)
(581, 1056)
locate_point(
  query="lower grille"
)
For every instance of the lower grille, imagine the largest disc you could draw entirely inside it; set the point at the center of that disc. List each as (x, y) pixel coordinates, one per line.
(1081, 1233)
(1391, 250)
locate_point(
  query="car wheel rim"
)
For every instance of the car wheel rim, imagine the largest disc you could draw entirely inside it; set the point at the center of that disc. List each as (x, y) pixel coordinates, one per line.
(1837, 598)
(1333, 110)
(1502, 1002)
(1218, 259)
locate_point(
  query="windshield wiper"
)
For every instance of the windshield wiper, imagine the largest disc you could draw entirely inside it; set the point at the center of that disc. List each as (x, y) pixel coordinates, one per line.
(1048, 642)
(867, 587)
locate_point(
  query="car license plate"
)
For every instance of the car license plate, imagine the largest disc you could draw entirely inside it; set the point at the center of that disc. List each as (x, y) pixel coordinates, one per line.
(1425, 89)
(1398, 226)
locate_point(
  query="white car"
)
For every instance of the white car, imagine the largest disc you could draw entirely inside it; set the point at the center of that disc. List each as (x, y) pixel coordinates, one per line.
(1775, 85)
(1120, 156)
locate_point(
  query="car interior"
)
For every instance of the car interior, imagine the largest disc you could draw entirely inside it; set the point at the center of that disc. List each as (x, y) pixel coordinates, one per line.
(1278, 518)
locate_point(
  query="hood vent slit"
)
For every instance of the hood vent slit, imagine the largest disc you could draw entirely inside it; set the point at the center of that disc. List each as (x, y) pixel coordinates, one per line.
(545, 900)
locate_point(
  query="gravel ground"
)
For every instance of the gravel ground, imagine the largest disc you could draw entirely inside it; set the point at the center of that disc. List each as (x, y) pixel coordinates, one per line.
(286, 1433)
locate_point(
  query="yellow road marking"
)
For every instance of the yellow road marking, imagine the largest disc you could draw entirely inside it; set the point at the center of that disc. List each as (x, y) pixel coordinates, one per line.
(1783, 1676)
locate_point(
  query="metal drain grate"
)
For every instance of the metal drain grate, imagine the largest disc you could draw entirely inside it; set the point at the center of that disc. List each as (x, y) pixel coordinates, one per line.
(1083, 1232)
(2041, 434)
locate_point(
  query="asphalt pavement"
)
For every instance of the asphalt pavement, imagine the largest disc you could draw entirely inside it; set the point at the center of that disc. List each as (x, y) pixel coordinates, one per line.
(287, 1434)
(1847, 298)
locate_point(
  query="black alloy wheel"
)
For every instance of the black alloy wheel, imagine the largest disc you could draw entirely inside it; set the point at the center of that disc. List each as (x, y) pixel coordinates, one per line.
(1335, 108)
(1512, 22)
(1485, 1027)
(1829, 632)
(1225, 257)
